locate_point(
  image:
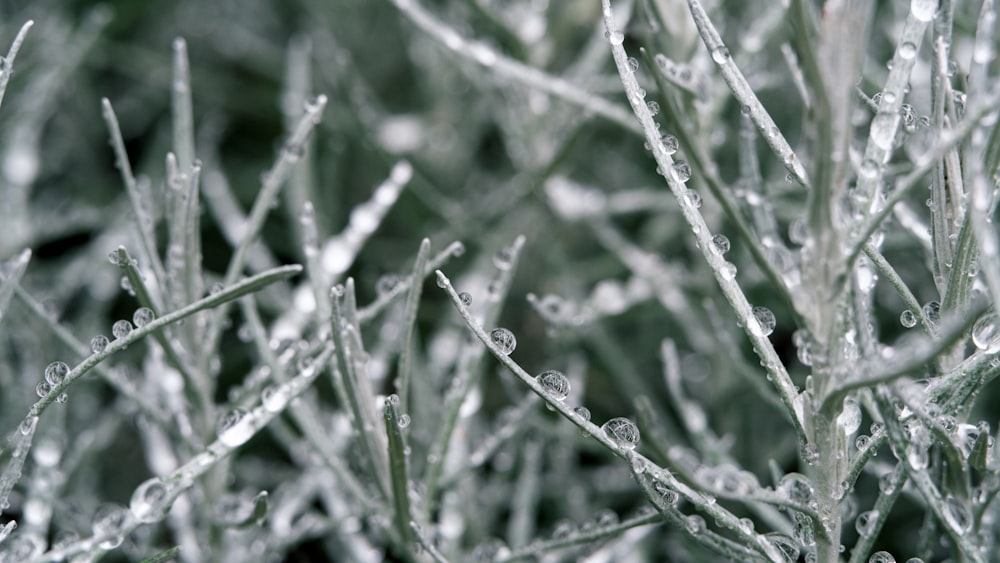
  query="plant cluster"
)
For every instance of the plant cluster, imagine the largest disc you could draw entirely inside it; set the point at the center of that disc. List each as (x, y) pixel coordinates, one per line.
(643, 280)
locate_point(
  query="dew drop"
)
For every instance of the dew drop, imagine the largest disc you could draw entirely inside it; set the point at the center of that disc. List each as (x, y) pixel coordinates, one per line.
(404, 420)
(555, 384)
(797, 488)
(956, 515)
(42, 389)
(615, 37)
(149, 501)
(849, 419)
(503, 259)
(869, 169)
(667, 495)
(682, 171)
(865, 522)
(881, 557)
(143, 316)
(887, 483)
(669, 143)
(728, 271)
(923, 10)
(275, 397)
(622, 432)
(862, 442)
(465, 298)
(99, 343)
(788, 547)
(113, 258)
(720, 244)
(765, 321)
(986, 333)
(932, 310)
(653, 107)
(908, 319)
(384, 285)
(61, 398)
(121, 329)
(108, 523)
(720, 55)
(235, 428)
(504, 340)
(694, 524)
(27, 426)
(56, 372)
(633, 64)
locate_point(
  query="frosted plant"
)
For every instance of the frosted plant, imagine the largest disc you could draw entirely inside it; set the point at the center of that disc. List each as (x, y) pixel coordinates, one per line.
(690, 299)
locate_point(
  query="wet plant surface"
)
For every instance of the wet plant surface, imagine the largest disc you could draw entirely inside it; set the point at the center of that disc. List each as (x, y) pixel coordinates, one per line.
(498, 281)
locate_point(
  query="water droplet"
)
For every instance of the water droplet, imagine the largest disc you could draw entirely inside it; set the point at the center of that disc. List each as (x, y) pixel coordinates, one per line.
(583, 413)
(956, 515)
(27, 426)
(149, 501)
(986, 333)
(653, 107)
(881, 557)
(275, 397)
(465, 298)
(763, 322)
(108, 523)
(883, 130)
(121, 329)
(555, 384)
(865, 522)
(787, 546)
(404, 420)
(563, 529)
(235, 509)
(503, 259)
(887, 483)
(235, 428)
(720, 55)
(908, 319)
(862, 442)
(622, 432)
(797, 488)
(99, 343)
(216, 289)
(694, 524)
(720, 244)
(56, 372)
(849, 419)
(42, 389)
(923, 10)
(615, 37)
(61, 398)
(504, 340)
(113, 258)
(917, 455)
(869, 169)
(932, 311)
(633, 64)
(728, 271)
(143, 316)
(669, 143)
(385, 285)
(682, 170)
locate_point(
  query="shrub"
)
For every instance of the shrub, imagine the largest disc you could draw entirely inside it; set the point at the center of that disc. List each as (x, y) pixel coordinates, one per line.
(781, 356)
